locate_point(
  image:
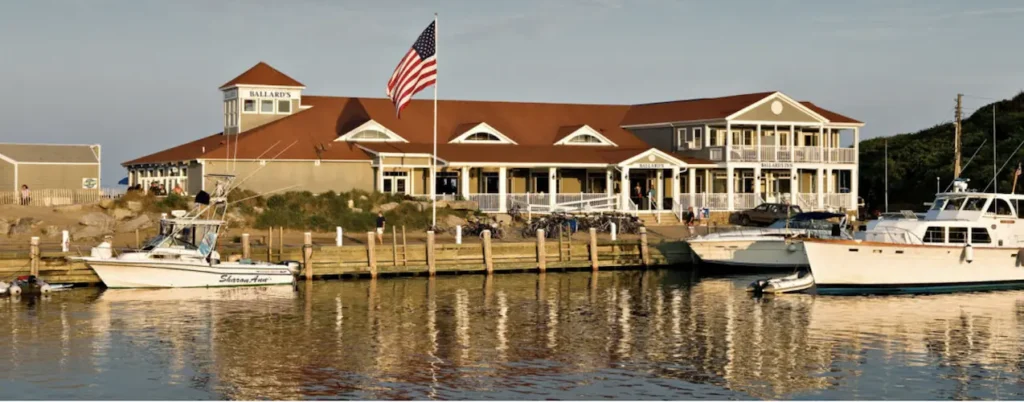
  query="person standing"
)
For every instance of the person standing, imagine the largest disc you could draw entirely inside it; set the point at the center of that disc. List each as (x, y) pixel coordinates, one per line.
(380, 227)
(25, 194)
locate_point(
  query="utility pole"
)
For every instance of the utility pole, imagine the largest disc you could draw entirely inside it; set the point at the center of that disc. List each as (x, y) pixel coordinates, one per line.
(959, 132)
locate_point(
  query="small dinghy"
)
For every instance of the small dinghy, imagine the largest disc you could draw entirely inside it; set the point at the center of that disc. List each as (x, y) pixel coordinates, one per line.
(797, 282)
(30, 284)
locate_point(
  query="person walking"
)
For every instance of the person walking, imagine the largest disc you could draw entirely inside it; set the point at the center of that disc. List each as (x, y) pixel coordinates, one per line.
(380, 227)
(26, 195)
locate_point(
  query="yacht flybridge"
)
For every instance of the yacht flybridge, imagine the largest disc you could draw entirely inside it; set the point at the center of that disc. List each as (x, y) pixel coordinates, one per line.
(966, 241)
(184, 254)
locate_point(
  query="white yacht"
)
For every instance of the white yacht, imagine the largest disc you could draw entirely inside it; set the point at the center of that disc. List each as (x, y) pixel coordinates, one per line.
(966, 241)
(184, 254)
(780, 245)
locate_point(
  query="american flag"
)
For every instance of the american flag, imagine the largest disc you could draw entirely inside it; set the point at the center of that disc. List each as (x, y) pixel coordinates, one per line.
(416, 71)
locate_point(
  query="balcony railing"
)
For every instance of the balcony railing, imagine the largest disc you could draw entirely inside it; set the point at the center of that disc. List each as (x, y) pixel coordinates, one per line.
(783, 153)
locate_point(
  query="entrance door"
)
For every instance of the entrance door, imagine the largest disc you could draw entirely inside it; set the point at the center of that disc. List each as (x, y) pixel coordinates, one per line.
(640, 186)
(396, 183)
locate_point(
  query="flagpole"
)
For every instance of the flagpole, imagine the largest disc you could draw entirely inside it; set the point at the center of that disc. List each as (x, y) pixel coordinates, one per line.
(433, 160)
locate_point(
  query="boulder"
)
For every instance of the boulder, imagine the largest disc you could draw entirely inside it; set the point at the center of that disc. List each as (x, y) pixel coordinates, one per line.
(139, 223)
(106, 203)
(135, 206)
(419, 205)
(68, 208)
(385, 207)
(464, 205)
(357, 209)
(121, 214)
(24, 226)
(351, 204)
(451, 221)
(504, 219)
(440, 204)
(89, 232)
(97, 219)
(51, 231)
(5, 227)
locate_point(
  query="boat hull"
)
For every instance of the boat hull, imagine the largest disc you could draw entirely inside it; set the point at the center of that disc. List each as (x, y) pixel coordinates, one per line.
(848, 267)
(763, 253)
(135, 274)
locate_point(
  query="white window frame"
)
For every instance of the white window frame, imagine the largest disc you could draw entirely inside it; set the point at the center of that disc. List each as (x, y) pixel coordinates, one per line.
(482, 128)
(255, 103)
(697, 138)
(371, 125)
(586, 130)
(682, 138)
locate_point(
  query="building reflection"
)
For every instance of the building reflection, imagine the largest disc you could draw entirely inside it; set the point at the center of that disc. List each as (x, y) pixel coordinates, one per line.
(417, 338)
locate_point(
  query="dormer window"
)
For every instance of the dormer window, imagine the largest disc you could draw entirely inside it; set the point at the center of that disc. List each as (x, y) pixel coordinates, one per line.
(584, 135)
(267, 106)
(284, 106)
(249, 106)
(371, 131)
(482, 137)
(481, 133)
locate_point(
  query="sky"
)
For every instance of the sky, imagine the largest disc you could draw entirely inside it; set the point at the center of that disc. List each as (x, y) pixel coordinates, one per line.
(140, 76)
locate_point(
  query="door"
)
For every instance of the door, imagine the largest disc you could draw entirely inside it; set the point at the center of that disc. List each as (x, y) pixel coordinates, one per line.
(638, 189)
(396, 183)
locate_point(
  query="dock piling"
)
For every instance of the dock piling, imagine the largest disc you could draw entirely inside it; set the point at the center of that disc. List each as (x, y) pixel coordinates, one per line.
(614, 230)
(593, 249)
(542, 258)
(246, 250)
(34, 253)
(307, 254)
(645, 256)
(488, 256)
(371, 256)
(138, 240)
(394, 247)
(270, 244)
(458, 234)
(431, 268)
(280, 242)
(65, 241)
(338, 240)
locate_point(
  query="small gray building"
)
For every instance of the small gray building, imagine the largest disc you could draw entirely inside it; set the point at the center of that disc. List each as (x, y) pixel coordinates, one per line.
(49, 167)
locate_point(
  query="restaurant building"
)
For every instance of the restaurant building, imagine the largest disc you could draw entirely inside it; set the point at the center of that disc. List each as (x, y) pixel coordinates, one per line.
(724, 154)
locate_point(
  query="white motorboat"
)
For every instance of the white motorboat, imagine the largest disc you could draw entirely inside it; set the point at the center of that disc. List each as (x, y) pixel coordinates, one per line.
(780, 245)
(966, 241)
(184, 254)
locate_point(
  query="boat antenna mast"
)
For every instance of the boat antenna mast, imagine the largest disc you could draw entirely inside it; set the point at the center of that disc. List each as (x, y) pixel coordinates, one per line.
(957, 134)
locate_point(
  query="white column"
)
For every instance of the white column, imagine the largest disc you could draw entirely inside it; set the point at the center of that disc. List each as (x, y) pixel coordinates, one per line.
(758, 142)
(380, 179)
(609, 182)
(757, 181)
(692, 185)
(818, 186)
(464, 182)
(730, 184)
(728, 139)
(552, 186)
(706, 137)
(676, 185)
(660, 190)
(854, 173)
(830, 183)
(792, 143)
(821, 142)
(624, 190)
(502, 189)
(794, 186)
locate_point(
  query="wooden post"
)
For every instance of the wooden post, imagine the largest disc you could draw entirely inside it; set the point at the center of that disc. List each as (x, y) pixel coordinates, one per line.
(270, 244)
(394, 247)
(65, 241)
(371, 256)
(280, 242)
(560, 245)
(488, 259)
(307, 254)
(644, 254)
(138, 240)
(34, 254)
(245, 246)
(405, 249)
(542, 255)
(593, 249)
(431, 269)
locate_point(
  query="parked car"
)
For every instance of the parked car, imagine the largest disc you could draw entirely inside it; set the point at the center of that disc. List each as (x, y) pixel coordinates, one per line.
(767, 213)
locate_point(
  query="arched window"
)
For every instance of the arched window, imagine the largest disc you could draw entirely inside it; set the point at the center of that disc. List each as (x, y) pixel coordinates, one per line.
(585, 139)
(370, 135)
(482, 137)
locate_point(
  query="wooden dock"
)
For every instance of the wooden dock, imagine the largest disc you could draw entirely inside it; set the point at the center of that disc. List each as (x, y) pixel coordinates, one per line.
(374, 260)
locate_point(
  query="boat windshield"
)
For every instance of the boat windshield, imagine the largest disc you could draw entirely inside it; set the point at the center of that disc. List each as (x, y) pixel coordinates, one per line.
(812, 224)
(939, 204)
(179, 236)
(975, 204)
(954, 204)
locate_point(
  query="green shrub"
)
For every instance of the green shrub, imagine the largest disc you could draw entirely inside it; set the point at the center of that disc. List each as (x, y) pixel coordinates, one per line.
(324, 212)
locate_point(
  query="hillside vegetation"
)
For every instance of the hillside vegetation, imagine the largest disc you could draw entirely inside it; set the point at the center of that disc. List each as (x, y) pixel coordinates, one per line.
(916, 159)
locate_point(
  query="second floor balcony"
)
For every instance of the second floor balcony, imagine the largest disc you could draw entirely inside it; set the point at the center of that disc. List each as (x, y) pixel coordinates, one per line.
(783, 153)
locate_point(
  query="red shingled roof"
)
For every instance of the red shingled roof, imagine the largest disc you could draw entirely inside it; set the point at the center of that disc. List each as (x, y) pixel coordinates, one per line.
(690, 109)
(263, 74)
(830, 115)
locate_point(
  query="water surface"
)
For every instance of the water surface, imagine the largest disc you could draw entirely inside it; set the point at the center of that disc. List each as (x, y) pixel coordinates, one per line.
(636, 335)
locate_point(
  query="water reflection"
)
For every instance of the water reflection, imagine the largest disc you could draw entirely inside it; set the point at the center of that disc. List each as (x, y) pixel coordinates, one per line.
(657, 334)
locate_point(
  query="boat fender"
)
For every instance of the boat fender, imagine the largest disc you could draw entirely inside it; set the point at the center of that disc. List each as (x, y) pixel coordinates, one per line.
(968, 253)
(44, 287)
(791, 247)
(15, 289)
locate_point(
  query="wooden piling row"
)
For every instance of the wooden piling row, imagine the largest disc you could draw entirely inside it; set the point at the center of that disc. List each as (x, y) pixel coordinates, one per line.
(307, 254)
(488, 259)
(246, 250)
(542, 257)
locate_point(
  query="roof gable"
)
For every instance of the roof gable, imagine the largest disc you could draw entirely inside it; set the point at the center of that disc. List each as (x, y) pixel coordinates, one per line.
(263, 74)
(467, 131)
(582, 130)
(690, 110)
(49, 153)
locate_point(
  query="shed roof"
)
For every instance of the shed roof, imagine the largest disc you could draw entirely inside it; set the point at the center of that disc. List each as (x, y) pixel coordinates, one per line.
(49, 153)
